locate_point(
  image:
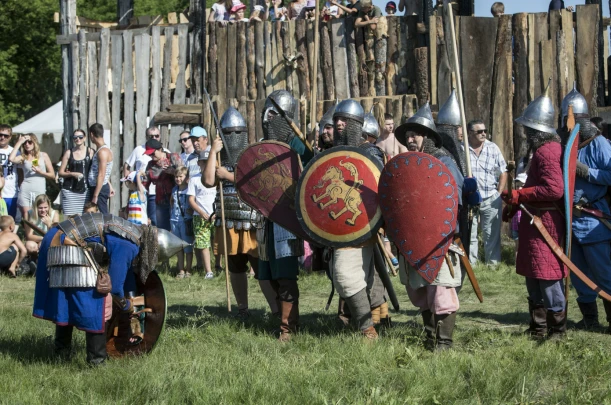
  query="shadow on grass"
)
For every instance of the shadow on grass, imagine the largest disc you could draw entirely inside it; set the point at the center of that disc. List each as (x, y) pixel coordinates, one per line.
(509, 318)
(29, 349)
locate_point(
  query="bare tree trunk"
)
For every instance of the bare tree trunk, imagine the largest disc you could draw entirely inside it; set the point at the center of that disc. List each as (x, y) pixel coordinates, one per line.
(125, 12)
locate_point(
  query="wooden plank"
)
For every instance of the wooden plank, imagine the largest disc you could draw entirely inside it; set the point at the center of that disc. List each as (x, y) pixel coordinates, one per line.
(167, 79)
(259, 105)
(129, 130)
(116, 61)
(411, 35)
(340, 59)
(286, 53)
(531, 52)
(269, 79)
(231, 65)
(250, 60)
(433, 58)
(445, 61)
(278, 73)
(303, 72)
(326, 60)
(241, 68)
(181, 88)
(74, 84)
(353, 63)
(177, 119)
(555, 25)
(501, 128)
(68, 26)
(567, 28)
(185, 108)
(92, 73)
(155, 97)
(422, 76)
(197, 11)
(392, 56)
(563, 84)
(587, 52)
(212, 55)
(478, 37)
(83, 114)
(251, 119)
(103, 109)
(310, 46)
(221, 73)
(520, 34)
(541, 32)
(142, 48)
(548, 66)
(293, 51)
(605, 58)
(380, 49)
(172, 18)
(260, 58)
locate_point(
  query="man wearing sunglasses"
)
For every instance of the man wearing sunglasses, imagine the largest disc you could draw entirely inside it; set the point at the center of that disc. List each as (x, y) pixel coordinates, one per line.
(11, 189)
(489, 169)
(137, 161)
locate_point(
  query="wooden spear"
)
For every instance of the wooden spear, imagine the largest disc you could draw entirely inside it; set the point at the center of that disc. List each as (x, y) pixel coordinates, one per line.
(315, 68)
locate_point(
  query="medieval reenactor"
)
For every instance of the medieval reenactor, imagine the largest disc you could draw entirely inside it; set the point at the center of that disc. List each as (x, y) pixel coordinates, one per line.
(72, 285)
(542, 195)
(590, 248)
(437, 299)
(325, 130)
(371, 128)
(241, 221)
(279, 249)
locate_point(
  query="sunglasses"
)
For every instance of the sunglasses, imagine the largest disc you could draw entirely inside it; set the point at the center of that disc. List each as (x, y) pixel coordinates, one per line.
(28, 142)
(78, 137)
(5, 136)
(156, 136)
(480, 131)
(184, 139)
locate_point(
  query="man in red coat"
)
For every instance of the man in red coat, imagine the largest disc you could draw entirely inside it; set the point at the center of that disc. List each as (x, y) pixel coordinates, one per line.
(542, 196)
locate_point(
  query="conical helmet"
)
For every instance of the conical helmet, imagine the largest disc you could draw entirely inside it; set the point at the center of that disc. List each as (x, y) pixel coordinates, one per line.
(449, 113)
(169, 244)
(350, 109)
(327, 119)
(370, 126)
(285, 100)
(421, 122)
(539, 114)
(232, 121)
(577, 100)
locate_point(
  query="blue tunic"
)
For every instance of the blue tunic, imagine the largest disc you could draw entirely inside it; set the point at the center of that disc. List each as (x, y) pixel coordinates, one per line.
(597, 155)
(83, 307)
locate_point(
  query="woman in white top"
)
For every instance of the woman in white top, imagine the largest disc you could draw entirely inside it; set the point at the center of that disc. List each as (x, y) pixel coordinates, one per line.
(42, 216)
(220, 11)
(36, 167)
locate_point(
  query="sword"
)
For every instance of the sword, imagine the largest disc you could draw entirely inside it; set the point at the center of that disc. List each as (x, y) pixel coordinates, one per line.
(379, 264)
(291, 124)
(34, 227)
(218, 126)
(560, 254)
(469, 270)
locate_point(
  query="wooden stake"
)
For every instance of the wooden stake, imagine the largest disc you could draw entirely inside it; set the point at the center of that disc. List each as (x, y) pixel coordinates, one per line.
(314, 75)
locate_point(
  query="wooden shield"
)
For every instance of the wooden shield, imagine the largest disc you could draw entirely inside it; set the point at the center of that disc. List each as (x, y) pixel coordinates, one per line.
(337, 197)
(569, 167)
(419, 200)
(266, 178)
(151, 302)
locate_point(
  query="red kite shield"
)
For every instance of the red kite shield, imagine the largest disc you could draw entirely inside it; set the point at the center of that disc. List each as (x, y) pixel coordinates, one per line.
(419, 200)
(266, 178)
(337, 197)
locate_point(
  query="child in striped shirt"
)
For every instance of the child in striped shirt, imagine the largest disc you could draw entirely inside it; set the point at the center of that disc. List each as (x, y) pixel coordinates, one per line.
(137, 202)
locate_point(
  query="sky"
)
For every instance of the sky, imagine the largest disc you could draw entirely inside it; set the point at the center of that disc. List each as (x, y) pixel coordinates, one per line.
(482, 7)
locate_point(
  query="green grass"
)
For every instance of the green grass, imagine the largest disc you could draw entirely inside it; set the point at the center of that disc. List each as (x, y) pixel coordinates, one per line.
(207, 357)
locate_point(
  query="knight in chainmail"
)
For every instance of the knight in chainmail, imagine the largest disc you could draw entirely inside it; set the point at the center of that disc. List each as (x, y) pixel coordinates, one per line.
(591, 231)
(419, 134)
(71, 256)
(325, 130)
(541, 195)
(241, 220)
(279, 249)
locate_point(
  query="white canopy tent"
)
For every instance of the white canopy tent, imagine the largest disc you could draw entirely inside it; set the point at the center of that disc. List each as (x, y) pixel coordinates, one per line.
(51, 122)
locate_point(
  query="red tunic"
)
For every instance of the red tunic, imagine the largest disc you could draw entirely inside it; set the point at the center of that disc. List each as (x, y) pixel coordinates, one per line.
(543, 187)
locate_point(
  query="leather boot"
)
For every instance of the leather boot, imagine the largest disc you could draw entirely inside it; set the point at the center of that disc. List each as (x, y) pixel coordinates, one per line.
(384, 317)
(538, 321)
(607, 305)
(375, 315)
(556, 324)
(63, 341)
(343, 313)
(96, 348)
(239, 284)
(271, 295)
(370, 333)
(589, 310)
(289, 320)
(428, 319)
(445, 330)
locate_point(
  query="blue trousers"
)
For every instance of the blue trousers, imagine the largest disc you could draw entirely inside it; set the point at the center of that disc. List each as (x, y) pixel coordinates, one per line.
(163, 217)
(121, 252)
(151, 209)
(595, 261)
(550, 293)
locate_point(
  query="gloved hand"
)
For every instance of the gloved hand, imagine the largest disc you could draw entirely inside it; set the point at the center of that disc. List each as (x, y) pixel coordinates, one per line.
(510, 199)
(470, 192)
(583, 170)
(508, 214)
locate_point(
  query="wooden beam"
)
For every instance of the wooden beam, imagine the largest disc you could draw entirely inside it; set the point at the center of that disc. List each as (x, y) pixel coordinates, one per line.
(65, 39)
(587, 52)
(142, 45)
(68, 27)
(521, 92)
(165, 118)
(116, 62)
(103, 111)
(155, 96)
(129, 131)
(83, 114)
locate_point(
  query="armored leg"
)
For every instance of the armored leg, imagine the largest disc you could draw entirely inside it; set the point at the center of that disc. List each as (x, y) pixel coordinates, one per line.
(361, 310)
(96, 348)
(288, 293)
(445, 330)
(556, 324)
(428, 319)
(589, 311)
(538, 320)
(63, 340)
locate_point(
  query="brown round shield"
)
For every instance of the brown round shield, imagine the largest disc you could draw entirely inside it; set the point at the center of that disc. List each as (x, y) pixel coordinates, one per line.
(151, 304)
(337, 197)
(419, 200)
(266, 178)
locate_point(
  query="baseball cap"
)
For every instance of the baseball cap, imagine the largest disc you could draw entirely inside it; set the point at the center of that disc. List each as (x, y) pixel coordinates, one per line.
(203, 155)
(151, 146)
(130, 177)
(197, 132)
(391, 4)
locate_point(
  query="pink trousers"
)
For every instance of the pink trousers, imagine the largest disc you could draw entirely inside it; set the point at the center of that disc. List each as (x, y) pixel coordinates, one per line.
(439, 300)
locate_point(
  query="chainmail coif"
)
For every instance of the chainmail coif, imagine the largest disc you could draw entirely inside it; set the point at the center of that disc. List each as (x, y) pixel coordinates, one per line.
(236, 143)
(428, 147)
(449, 139)
(536, 138)
(352, 135)
(149, 249)
(277, 129)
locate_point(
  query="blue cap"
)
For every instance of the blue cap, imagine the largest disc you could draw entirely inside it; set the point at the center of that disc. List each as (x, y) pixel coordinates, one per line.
(198, 132)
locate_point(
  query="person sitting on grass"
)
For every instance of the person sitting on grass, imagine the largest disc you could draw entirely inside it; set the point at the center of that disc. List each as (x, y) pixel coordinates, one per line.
(181, 221)
(42, 216)
(9, 244)
(137, 201)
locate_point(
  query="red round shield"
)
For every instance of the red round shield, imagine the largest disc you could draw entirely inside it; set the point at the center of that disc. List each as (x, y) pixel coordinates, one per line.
(419, 200)
(337, 197)
(266, 178)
